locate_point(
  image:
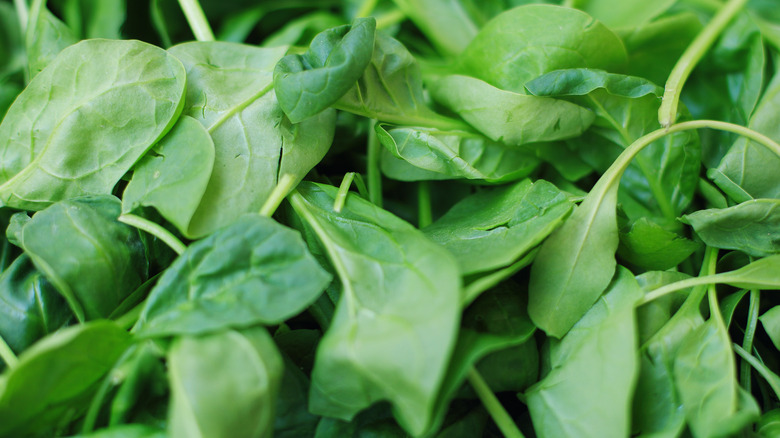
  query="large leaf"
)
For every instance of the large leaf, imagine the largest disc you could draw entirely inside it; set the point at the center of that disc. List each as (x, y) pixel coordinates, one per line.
(508, 117)
(493, 228)
(752, 227)
(30, 307)
(56, 378)
(517, 46)
(84, 120)
(593, 370)
(309, 83)
(240, 370)
(245, 274)
(230, 92)
(105, 259)
(174, 175)
(396, 321)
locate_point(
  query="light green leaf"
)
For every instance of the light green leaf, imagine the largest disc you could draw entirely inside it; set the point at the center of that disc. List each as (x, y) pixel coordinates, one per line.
(625, 13)
(46, 37)
(771, 322)
(57, 141)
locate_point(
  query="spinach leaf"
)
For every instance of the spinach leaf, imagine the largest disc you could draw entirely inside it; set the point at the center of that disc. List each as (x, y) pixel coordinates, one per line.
(46, 37)
(630, 13)
(771, 322)
(95, 18)
(582, 399)
(173, 176)
(517, 46)
(88, 228)
(412, 154)
(56, 377)
(241, 370)
(245, 274)
(308, 84)
(450, 25)
(752, 227)
(56, 140)
(649, 246)
(400, 293)
(229, 90)
(493, 228)
(30, 307)
(507, 117)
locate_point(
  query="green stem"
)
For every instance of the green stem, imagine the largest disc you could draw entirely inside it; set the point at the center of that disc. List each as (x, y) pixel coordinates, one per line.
(389, 19)
(360, 184)
(155, 230)
(23, 13)
(112, 379)
(750, 332)
(765, 372)
(373, 172)
(129, 319)
(285, 185)
(692, 55)
(341, 195)
(7, 354)
(424, 211)
(197, 20)
(493, 406)
(366, 8)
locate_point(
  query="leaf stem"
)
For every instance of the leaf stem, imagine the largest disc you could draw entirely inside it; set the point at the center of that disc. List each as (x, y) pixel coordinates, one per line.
(7, 354)
(285, 185)
(23, 13)
(129, 318)
(750, 332)
(373, 172)
(341, 195)
(424, 210)
(155, 230)
(197, 20)
(770, 377)
(692, 55)
(366, 8)
(493, 406)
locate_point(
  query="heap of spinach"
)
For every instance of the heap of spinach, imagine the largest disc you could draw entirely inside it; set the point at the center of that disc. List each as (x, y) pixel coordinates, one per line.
(565, 219)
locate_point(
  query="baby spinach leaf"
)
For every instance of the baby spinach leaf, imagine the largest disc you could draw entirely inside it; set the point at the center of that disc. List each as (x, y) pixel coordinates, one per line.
(575, 264)
(173, 176)
(508, 117)
(309, 83)
(46, 37)
(400, 294)
(578, 398)
(493, 228)
(771, 322)
(56, 377)
(88, 228)
(30, 307)
(752, 227)
(650, 246)
(240, 370)
(630, 13)
(732, 174)
(230, 92)
(245, 274)
(450, 25)
(582, 81)
(95, 18)
(391, 90)
(66, 135)
(517, 46)
(425, 154)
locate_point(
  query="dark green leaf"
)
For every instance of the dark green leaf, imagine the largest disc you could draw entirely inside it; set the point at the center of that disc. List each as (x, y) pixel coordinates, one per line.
(650, 246)
(396, 322)
(245, 274)
(308, 84)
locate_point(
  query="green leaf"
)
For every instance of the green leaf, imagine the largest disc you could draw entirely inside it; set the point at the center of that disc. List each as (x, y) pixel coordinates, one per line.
(245, 274)
(118, 98)
(173, 176)
(760, 274)
(96, 18)
(449, 25)
(46, 37)
(30, 307)
(517, 46)
(626, 13)
(495, 227)
(752, 227)
(575, 264)
(507, 117)
(309, 83)
(111, 252)
(412, 154)
(583, 81)
(650, 246)
(771, 322)
(240, 370)
(594, 368)
(56, 378)
(127, 431)
(396, 322)
(230, 92)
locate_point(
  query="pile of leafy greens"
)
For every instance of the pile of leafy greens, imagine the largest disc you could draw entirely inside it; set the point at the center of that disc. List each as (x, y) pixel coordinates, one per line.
(354, 218)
